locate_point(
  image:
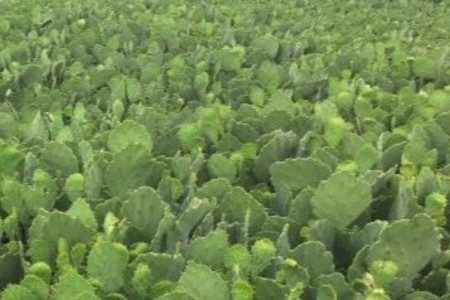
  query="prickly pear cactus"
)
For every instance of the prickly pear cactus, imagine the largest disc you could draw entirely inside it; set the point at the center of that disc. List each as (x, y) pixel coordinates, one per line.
(409, 244)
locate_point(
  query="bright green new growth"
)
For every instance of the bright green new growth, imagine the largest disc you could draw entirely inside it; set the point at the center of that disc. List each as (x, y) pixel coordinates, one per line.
(383, 272)
(93, 181)
(377, 294)
(349, 166)
(190, 137)
(296, 291)
(238, 260)
(63, 263)
(42, 270)
(78, 254)
(48, 229)
(118, 110)
(335, 128)
(263, 251)
(241, 290)
(81, 210)
(213, 121)
(201, 82)
(141, 280)
(11, 225)
(74, 186)
(38, 286)
(435, 205)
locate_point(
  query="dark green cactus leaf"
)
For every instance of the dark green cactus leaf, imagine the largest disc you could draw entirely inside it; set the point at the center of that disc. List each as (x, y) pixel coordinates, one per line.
(10, 264)
(209, 250)
(421, 295)
(170, 189)
(410, 244)
(300, 208)
(191, 217)
(202, 283)
(281, 146)
(405, 203)
(17, 292)
(52, 226)
(115, 257)
(220, 166)
(215, 188)
(241, 290)
(326, 292)
(267, 289)
(38, 286)
(72, 285)
(322, 231)
(299, 173)
(144, 209)
(238, 197)
(163, 267)
(13, 200)
(166, 236)
(127, 133)
(313, 256)
(426, 183)
(368, 234)
(337, 281)
(341, 199)
(129, 170)
(42, 193)
(59, 159)
(237, 256)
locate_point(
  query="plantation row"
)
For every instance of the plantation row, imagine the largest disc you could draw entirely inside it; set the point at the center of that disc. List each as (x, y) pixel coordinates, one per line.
(224, 149)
